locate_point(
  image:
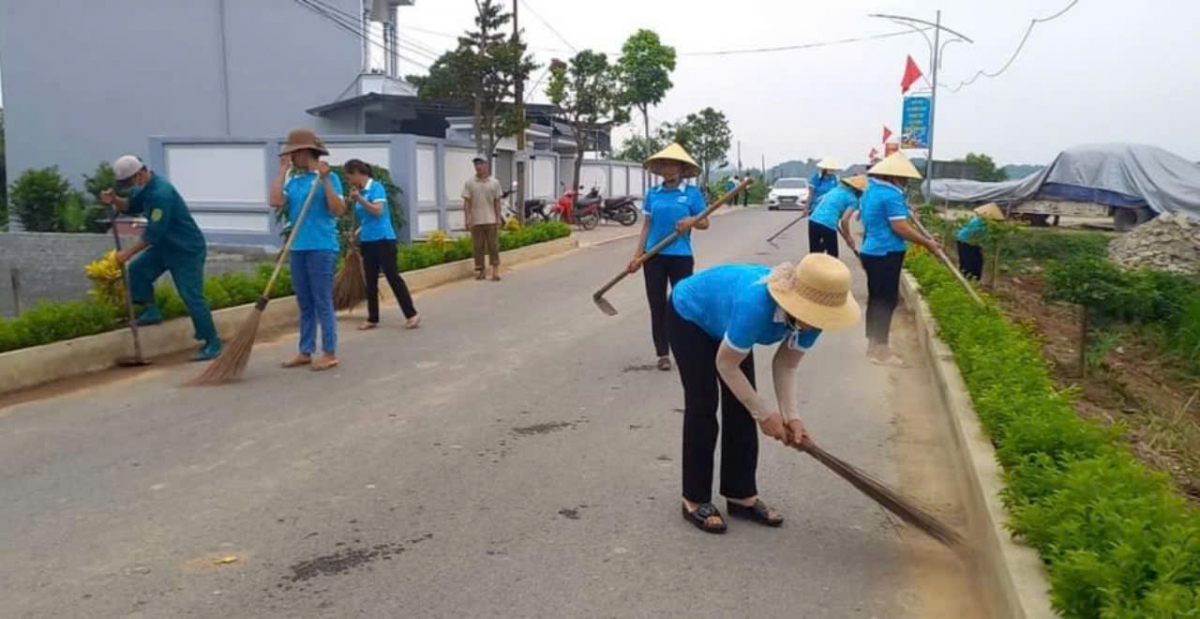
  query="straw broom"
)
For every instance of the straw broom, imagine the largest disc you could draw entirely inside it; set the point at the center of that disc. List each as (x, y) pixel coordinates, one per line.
(350, 283)
(232, 361)
(891, 500)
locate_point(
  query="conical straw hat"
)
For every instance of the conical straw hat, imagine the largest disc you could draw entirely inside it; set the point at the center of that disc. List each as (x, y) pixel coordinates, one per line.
(674, 152)
(858, 183)
(990, 211)
(896, 164)
(829, 163)
(815, 292)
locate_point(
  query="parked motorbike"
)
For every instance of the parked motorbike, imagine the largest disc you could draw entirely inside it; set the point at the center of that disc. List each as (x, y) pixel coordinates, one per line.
(622, 210)
(587, 209)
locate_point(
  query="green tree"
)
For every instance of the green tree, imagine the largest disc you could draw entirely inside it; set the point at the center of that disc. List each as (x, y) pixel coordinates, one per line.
(44, 201)
(706, 135)
(646, 65)
(588, 93)
(985, 168)
(483, 72)
(638, 149)
(96, 215)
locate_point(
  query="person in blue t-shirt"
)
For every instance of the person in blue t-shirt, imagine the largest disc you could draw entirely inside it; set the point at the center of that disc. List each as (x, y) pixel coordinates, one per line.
(829, 216)
(970, 254)
(669, 207)
(716, 317)
(885, 230)
(822, 182)
(377, 240)
(314, 252)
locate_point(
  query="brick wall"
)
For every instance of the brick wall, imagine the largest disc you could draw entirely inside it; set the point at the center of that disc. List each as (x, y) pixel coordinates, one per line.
(51, 265)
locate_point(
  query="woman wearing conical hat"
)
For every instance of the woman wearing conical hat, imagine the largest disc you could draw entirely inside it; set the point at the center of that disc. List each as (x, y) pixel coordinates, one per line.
(886, 232)
(716, 318)
(827, 218)
(670, 206)
(823, 181)
(970, 254)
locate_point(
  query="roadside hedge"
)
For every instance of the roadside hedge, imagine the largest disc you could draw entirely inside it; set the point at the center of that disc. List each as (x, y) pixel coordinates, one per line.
(1117, 540)
(52, 322)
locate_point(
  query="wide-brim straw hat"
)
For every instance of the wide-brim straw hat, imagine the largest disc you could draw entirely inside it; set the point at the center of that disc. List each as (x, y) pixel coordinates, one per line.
(896, 165)
(858, 183)
(815, 292)
(990, 211)
(303, 139)
(829, 163)
(674, 152)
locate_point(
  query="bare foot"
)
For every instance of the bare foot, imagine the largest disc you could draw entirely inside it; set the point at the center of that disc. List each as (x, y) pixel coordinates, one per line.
(367, 326)
(297, 361)
(326, 362)
(413, 323)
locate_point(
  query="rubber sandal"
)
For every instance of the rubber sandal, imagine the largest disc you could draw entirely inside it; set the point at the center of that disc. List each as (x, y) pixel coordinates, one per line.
(892, 361)
(295, 362)
(664, 364)
(703, 513)
(413, 323)
(321, 365)
(759, 512)
(367, 326)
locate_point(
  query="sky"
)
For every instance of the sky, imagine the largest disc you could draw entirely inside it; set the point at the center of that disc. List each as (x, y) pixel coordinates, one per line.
(1101, 72)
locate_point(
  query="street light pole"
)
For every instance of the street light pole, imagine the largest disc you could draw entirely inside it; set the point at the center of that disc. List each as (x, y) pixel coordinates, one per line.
(935, 61)
(519, 95)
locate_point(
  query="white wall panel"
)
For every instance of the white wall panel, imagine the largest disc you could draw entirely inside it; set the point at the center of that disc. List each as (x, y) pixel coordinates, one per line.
(374, 154)
(620, 181)
(426, 223)
(236, 222)
(218, 173)
(594, 175)
(426, 174)
(543, 179)
(455, 219)
(458, 169)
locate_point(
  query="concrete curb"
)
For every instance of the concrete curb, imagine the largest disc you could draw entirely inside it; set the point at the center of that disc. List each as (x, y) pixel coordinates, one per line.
(1011, 573)
(31, 367)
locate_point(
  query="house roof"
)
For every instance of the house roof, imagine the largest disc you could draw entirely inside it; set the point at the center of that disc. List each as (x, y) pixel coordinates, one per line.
(450, 109)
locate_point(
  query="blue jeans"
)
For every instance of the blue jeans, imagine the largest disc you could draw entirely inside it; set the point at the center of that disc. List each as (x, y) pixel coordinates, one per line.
(312, 279)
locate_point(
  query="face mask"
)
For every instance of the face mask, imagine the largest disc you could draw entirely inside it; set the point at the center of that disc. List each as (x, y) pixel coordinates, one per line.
(134, 191)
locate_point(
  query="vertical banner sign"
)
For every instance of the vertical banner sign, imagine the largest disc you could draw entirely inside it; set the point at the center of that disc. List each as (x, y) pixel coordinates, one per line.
(914, 132)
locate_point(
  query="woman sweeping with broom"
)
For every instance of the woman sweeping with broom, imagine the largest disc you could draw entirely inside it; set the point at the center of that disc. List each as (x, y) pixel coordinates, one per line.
(377, 239)
(828, 218)
(669, 206)
(314, 251)
(715, 319)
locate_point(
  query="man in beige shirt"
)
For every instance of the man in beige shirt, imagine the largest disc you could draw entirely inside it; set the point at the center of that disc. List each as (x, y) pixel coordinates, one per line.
(481, 208)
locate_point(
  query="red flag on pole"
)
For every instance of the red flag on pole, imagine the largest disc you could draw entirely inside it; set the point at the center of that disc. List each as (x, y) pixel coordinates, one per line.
(887, 133)
(912, 73)
(874, 154)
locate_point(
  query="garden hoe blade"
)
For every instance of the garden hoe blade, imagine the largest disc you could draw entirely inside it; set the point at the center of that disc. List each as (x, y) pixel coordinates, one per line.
(603, 304)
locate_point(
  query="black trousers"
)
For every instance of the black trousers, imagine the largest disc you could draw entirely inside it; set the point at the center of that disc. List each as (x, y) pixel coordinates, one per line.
(696, 355)
(822, 239)
(382, 255)
(659, 272)
(883, 292)
(970, 260)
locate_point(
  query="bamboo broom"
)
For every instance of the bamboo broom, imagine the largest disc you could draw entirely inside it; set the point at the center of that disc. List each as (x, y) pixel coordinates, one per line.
(889, 499)
(350, 283)
(232, 361)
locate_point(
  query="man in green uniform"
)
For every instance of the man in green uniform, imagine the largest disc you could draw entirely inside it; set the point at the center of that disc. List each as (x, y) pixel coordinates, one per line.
(171, 242)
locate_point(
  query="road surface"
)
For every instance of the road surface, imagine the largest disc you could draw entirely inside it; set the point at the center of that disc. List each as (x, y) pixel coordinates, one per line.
(515, 457)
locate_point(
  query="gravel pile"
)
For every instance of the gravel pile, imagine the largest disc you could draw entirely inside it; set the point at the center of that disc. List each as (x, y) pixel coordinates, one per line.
(1167, 243)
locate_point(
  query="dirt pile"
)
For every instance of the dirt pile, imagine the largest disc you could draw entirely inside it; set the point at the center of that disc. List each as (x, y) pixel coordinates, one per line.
(1167, 242)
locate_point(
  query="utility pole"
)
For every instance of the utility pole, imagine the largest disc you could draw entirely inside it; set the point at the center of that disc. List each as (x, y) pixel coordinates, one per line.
(764, 170)
(739, 171)
(519, 95)
(935, 59)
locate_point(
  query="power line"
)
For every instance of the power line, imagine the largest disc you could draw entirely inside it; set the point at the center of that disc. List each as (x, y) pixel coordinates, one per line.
(547, 24)
(1028, 31)
(786, 48)
(316, 6)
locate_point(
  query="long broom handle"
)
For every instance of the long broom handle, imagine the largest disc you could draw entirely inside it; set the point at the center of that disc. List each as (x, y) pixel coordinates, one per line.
(133, 328)
(950, 265)
(287, 245)
(671, 238)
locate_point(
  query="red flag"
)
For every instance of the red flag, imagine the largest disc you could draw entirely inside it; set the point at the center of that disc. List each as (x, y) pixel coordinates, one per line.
(874, 154)
(887, 133)
(912, 73)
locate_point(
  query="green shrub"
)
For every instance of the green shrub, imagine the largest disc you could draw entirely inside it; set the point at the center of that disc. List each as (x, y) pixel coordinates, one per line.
(40, 199)
(1117, 540)
(51, 322)
(241, 287)
(216, 295)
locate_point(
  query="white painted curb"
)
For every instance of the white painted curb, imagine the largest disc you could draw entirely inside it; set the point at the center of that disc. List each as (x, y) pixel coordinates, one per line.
(1011, 573)
(31, 367)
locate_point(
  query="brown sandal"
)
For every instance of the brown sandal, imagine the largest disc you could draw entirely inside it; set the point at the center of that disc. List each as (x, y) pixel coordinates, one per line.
(297, 361)
(367, 326)
(324, 363)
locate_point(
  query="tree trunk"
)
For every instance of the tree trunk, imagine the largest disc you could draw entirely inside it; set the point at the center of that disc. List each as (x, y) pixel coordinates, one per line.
(1083, 330)
(477, 125)
(646, 117)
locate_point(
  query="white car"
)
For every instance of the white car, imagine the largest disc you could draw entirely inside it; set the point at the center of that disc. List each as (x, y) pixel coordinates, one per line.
(788, 193)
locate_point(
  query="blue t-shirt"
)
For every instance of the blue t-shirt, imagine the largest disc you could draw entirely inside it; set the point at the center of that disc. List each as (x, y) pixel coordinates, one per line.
(881, 204)
(319, 229)
(731, 303)
(972, 232)
(664, 208)
(821, 184)
(374, 227)
(830, 209)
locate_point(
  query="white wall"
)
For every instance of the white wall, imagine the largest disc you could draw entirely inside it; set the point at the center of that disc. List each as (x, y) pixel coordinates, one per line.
(374, 154)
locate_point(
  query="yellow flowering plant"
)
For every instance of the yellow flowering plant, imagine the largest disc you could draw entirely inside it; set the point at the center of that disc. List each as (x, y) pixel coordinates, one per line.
(108, 286)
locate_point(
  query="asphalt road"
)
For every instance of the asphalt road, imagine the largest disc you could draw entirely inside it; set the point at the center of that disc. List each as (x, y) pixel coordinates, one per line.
(515, 457)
